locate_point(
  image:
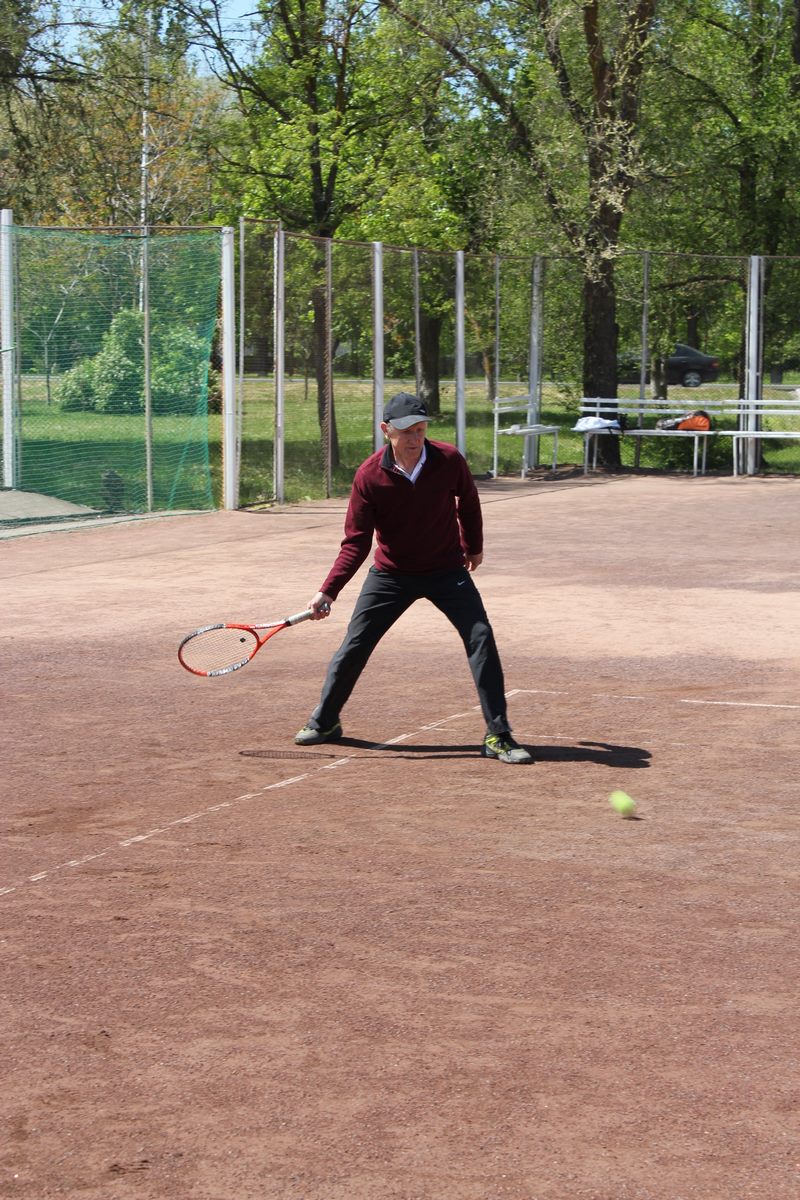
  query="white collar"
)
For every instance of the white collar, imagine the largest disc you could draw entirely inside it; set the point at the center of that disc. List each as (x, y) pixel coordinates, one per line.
(412, 475)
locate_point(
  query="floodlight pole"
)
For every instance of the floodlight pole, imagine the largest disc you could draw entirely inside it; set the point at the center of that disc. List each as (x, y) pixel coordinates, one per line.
(7, 349)
(377, 343)
(229, 498)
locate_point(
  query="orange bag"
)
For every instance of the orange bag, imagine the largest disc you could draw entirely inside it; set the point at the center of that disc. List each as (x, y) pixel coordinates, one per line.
(699, 420)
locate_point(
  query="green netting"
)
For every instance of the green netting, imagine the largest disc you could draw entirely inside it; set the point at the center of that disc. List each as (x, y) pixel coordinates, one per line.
(99, 317)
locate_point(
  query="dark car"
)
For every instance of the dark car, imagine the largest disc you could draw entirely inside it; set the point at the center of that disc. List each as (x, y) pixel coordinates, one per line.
(686, 367)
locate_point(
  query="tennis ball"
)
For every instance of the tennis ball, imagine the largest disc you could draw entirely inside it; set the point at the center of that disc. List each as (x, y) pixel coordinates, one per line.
(622, 803)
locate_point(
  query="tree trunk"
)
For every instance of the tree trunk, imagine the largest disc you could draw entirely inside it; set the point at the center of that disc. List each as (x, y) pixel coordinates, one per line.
(488, 373)
(321, 350)
(600, 346)
(430, 329)
(659, 377)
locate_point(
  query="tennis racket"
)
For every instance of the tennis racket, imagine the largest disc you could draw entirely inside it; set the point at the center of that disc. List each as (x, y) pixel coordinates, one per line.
(220, 649)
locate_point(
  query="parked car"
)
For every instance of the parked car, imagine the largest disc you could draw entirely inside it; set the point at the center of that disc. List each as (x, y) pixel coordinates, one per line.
(686, 367)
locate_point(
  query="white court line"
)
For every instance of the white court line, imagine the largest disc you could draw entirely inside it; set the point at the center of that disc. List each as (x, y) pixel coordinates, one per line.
(739, 703)
(135, 839)
(663, 699)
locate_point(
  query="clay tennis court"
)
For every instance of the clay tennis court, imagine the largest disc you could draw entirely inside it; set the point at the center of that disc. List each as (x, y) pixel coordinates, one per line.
(392, 970)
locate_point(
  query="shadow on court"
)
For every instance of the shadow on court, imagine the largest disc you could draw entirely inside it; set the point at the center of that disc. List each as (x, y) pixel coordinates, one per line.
(604, 753)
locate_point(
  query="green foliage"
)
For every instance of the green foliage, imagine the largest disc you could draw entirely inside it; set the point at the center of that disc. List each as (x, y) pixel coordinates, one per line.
(179, 372)
(113, 380)
(76, 389)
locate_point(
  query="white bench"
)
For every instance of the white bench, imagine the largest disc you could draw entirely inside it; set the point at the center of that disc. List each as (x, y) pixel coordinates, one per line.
(637, 412)
(786, 407)
(519, 404)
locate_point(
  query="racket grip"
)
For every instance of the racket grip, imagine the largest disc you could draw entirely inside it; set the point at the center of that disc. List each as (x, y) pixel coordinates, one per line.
(302, 616)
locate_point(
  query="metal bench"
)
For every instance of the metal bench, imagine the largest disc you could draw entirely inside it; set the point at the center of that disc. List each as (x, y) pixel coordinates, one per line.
(637, 412)
(750, 430)
(531, 428)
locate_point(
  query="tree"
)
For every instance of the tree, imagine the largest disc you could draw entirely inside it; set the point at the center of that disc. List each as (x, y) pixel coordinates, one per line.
(722, 126)
(84, 144)
(321, 97)
(565, 80)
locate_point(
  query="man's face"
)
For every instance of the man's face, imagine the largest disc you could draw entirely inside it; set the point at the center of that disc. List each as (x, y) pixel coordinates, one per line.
(406, 441)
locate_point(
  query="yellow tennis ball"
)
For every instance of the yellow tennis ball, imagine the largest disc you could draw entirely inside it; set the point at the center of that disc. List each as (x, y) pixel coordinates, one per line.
(622, 803)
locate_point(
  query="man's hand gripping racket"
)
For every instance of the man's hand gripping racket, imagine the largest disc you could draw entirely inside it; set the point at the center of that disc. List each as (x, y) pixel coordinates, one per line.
(220, 649)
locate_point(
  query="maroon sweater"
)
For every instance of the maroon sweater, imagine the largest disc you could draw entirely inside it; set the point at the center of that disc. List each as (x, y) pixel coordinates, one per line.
(419, 527)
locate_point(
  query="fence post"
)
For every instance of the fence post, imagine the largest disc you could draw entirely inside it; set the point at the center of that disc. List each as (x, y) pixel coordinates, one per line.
(147, 353)
(7, 348)
(535, 362)
(240, 364)
(496, 378)
(644, 356)
(753, 353)
(377, 343)
(327, 371)
(417, 330)
(460, 363)
(279, 289)
(229, 455)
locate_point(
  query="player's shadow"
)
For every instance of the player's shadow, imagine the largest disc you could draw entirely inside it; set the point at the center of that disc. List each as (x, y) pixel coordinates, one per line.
(405, 749)
(606, 754)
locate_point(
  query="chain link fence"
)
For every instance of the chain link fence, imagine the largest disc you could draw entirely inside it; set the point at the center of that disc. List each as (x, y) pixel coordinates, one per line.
(359, 321)
(112, 399)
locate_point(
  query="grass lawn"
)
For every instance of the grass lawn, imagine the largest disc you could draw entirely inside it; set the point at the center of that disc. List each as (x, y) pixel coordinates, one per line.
(304, 463)
(67, 454)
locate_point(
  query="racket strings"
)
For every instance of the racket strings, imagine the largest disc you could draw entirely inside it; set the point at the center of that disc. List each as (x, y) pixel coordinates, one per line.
(216, 649)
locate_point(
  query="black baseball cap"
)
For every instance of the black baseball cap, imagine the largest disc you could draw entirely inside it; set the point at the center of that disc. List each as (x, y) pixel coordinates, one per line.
(404, 410)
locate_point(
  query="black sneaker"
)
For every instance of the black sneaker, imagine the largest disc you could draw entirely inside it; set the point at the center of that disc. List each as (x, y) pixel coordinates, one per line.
(503, 747)
(309, 736)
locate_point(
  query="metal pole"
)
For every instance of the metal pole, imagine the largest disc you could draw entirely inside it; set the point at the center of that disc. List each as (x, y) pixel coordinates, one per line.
(377, 343)
(460, 363)
(417, 335)
(7, 348)
(535, 361)
(147, 348)
(644, 353)
(229, 451)
(240, 380)
(496, 380)
(279, 339)
(753, 360)
(327, 370)
(144, 259)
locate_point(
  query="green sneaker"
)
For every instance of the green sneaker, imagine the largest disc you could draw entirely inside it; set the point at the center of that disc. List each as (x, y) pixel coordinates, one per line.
(308, 736)
(503, 746)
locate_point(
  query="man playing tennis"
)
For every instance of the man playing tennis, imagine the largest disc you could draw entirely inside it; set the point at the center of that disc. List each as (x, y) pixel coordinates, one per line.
(419, 500)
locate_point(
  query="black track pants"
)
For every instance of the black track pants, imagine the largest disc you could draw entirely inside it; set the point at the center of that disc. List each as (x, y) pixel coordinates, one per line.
(384, 598)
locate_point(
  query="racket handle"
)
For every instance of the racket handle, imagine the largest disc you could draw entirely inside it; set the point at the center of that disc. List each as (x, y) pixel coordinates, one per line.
(302, 616)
